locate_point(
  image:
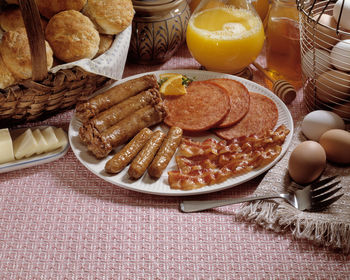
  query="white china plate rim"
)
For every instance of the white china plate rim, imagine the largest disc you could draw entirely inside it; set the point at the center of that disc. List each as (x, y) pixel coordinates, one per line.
(161, 187)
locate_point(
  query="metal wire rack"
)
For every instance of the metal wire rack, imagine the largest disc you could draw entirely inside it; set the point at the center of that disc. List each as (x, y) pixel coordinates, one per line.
(325, 56)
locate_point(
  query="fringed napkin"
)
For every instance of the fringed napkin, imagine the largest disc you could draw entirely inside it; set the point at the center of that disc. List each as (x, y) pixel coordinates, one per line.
(331, 227)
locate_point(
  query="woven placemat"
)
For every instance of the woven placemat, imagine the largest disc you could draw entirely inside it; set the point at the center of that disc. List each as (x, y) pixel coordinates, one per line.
(330, 228)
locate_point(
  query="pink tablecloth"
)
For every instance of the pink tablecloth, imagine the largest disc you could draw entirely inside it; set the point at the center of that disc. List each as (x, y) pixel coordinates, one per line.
(59, 221)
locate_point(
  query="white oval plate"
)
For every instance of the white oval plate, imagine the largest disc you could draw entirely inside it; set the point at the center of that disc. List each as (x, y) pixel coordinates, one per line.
(161, 187)
(33, 160)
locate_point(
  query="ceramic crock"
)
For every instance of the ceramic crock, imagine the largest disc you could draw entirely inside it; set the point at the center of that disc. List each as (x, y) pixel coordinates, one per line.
(158, 30)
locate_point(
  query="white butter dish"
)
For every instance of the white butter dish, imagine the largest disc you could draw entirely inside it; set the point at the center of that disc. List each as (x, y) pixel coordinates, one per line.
(35, 159)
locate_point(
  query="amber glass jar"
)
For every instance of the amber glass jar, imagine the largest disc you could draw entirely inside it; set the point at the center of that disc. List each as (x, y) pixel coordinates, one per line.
(283, 41)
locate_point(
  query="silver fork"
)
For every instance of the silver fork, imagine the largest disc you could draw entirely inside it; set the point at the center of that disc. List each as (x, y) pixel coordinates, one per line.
(314, 197)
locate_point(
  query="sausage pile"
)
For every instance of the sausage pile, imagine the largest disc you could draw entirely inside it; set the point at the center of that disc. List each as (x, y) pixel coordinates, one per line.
(152, 150)
(115, 116)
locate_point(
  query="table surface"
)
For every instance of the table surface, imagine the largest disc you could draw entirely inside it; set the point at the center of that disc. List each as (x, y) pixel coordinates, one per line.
(60, 221)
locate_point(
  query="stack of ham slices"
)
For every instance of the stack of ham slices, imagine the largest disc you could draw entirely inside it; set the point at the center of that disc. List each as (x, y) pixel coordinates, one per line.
(223, 106)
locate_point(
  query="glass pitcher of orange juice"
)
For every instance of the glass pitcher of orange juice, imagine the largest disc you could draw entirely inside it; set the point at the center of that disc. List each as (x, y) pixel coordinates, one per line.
(225, 35)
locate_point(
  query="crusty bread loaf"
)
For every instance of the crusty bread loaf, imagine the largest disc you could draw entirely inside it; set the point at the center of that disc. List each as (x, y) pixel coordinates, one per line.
(72, 36)
(110, 16)
(11, 19)
(15, 51)
(6, 77)
(48, 8)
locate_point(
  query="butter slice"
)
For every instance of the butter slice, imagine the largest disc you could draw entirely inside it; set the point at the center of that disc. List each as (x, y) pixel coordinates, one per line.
(6, 148)
(51, 139)
(42, 143)
(25, 145)
(61, 136)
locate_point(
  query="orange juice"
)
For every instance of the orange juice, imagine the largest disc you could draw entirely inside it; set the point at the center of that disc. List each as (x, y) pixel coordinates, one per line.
(225, 39)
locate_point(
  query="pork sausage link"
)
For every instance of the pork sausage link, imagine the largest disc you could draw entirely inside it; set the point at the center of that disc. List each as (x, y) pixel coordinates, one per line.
(114, 95)
(140, 163)
(121, 159)
(118, 134)
(165, 152)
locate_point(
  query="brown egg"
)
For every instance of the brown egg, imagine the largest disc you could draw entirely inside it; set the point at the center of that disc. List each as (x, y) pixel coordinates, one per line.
(336, 143)
(324, 32)
(307, 161)
(343, 110)
(333, 86)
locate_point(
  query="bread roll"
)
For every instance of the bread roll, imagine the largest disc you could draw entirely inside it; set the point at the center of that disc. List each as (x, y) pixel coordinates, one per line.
(72, 36)
(16, 55)
(105, 43)
(6, 77)
(11, 19)
(110, 16)
(48, 8)
(12, 2)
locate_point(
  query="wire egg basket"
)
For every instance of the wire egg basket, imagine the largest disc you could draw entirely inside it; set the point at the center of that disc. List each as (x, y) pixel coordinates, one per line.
(325, 56)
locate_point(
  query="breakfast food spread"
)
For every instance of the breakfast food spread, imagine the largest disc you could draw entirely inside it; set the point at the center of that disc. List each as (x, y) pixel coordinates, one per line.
(123, 115)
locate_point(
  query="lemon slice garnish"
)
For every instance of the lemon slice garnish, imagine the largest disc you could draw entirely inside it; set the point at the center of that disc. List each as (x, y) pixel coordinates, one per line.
(173, 85)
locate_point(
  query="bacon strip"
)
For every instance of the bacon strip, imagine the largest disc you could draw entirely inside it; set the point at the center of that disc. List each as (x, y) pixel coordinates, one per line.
(211, 162)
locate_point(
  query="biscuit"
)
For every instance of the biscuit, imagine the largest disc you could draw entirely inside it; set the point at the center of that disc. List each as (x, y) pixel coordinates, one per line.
(48, 8)
(11, 19)
(6, 77)
(110, 16)
(105, 43)
(15, 52)
(72, 36)
(12, 2)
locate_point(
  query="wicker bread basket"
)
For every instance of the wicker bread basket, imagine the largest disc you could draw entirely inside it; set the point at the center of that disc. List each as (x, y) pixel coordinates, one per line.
(45, 93)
